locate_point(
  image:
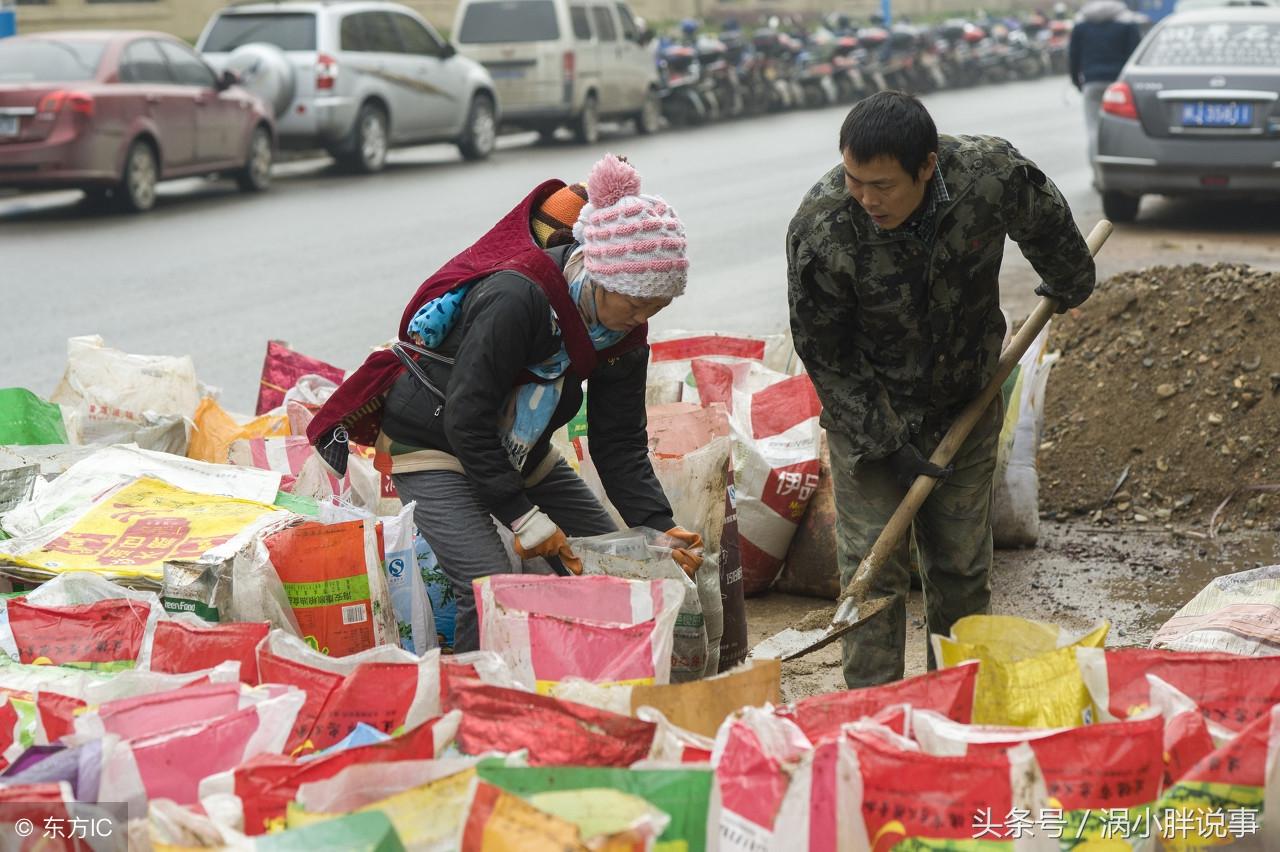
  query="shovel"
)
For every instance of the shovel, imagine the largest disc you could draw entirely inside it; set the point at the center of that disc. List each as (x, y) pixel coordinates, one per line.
(854, 607)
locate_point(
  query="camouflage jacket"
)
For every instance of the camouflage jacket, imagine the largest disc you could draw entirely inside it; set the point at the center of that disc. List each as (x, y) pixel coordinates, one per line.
(893, 329)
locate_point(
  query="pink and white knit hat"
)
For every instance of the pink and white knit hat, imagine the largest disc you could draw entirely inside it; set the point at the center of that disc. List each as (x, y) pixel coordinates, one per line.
(632, 244)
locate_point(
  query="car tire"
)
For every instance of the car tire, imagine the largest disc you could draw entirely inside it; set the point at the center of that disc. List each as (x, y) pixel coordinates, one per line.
(256, 174)
(586, 127)
(367, 153)
(649, 118)
(481, 133)
(137, 190)
(1119, 207)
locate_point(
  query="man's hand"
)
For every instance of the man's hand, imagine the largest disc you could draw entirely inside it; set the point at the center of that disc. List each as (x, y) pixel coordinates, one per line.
(907, 463)
(685, 556)
(1064, 305)
(537, 535)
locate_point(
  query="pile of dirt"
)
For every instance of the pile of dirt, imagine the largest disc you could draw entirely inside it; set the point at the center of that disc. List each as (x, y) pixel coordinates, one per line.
(1173, 375)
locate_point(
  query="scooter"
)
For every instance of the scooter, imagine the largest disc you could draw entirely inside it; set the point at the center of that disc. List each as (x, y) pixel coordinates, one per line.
(680, 75)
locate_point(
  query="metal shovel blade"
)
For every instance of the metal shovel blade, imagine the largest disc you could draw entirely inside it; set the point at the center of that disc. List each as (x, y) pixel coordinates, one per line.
(791, 644)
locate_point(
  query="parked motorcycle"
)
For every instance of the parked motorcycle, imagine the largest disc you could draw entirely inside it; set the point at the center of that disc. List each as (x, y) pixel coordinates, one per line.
(680, 74)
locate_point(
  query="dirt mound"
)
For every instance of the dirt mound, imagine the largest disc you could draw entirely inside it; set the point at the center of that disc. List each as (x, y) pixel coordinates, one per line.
(1173, 374)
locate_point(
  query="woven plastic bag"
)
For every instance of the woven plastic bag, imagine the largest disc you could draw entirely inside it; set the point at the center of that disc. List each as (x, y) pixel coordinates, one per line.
(602, 629)
(1029, 674)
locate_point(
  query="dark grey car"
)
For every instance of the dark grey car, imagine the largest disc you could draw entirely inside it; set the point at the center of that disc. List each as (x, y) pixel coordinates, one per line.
(1195, 111)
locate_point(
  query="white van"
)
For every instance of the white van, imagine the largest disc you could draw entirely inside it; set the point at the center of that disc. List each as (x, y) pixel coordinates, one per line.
(558, 63)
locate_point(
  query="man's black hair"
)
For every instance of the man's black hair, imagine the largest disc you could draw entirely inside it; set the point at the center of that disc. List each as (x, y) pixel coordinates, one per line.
(890, 124)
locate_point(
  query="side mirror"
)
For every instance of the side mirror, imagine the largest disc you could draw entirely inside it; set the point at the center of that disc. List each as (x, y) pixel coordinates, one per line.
(646, 36)
(227, 79)
(449, 50)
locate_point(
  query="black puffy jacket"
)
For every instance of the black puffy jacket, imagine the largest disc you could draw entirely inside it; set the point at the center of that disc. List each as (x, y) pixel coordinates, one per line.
(505, 325)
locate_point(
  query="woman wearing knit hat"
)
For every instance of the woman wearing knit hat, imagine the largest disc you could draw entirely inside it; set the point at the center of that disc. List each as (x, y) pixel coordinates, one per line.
(467, 426)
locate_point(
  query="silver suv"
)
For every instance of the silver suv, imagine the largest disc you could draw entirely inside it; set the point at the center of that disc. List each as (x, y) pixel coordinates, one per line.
(564, 62)
(355, 78)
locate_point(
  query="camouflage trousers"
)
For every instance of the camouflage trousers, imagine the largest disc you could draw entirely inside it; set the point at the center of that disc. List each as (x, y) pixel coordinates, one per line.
(952, 534)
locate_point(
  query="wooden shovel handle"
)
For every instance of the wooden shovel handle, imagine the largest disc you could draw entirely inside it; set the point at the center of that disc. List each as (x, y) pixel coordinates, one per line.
(900, 522)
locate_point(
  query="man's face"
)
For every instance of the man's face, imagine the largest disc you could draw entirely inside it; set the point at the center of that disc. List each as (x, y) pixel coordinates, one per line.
(886, 190)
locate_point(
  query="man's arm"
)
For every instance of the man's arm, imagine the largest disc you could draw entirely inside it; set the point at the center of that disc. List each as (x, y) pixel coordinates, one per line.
(852, 396)
(1039, 220)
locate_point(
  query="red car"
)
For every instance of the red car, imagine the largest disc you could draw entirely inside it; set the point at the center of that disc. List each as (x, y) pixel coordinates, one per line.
(112, 113)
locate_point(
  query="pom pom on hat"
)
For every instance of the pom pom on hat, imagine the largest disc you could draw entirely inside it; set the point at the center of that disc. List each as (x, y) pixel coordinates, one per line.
(611, 180)
(632, 244)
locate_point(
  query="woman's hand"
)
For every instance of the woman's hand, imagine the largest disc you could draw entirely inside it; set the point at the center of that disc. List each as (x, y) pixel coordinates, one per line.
(685, 556)
(538, 535)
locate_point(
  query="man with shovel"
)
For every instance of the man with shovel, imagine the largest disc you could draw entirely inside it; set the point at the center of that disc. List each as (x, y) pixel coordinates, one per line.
(893, 265)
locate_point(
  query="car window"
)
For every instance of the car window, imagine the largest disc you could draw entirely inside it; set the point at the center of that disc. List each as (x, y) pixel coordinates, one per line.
(629, 29)
(1237, 43)
(499, 21)
(581, 23)
(416, 38)
(380, 33)
(188, 69)
(47, 60)
(604, 23)
(286, 30)
(351, 33)
(144, 63)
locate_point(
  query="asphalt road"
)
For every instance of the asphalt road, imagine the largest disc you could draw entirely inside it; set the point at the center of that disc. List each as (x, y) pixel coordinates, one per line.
(326, 261)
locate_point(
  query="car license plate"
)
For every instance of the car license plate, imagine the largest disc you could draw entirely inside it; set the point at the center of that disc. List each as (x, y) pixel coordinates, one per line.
(1210, 114)
(8, 125)
(507, 73)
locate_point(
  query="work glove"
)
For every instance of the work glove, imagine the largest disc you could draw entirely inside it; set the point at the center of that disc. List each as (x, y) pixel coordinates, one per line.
(538, 535)
(685, 556)
(1064, 305)
(907, 463)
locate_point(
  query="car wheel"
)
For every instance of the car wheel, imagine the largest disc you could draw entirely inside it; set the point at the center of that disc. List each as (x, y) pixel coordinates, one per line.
(256, 174)
(649, 119)
(1119, 207)
(481, 133)
(368, 151)
(137, 191)
(586, 127)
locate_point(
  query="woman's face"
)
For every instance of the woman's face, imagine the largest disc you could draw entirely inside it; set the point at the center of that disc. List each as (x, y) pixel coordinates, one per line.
(624, 313)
